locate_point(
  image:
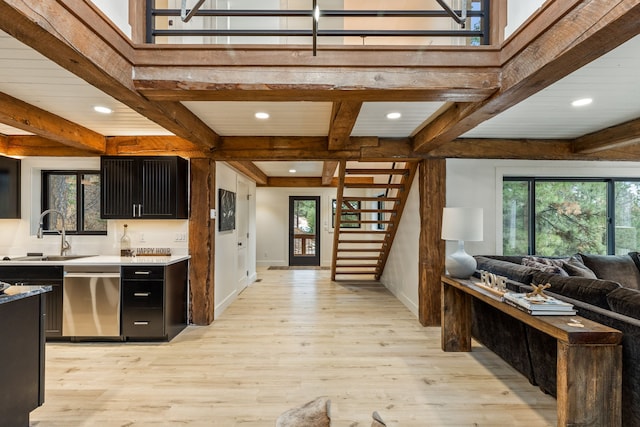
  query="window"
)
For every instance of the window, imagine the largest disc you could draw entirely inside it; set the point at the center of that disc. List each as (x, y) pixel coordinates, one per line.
(77, 195)
(558, 216)
(348, 220)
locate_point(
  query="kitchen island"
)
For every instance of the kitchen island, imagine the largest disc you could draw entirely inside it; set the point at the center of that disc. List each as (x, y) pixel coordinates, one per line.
(23, 353)
(108, 297)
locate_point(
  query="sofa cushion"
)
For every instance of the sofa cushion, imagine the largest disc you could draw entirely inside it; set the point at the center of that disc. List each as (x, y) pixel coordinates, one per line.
(591, 291)
(575, 267)
(625, 301)
(618, 268)
(517, 272)
(548, 265)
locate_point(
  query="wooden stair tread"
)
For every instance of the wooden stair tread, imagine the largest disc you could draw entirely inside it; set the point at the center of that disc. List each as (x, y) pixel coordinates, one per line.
(363, 232)
(369, 221)
(373, 273)
(371, 199)
(391, 211)
(357, 258)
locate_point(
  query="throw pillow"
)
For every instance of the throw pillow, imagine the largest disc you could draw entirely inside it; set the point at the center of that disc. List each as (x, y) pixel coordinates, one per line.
(625, 301)
(316, 413)
(548, 265)
(575, 267)
(377, 420)
(619, 268)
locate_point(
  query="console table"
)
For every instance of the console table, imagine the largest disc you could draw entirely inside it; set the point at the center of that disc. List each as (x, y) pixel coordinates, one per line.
(589, 361)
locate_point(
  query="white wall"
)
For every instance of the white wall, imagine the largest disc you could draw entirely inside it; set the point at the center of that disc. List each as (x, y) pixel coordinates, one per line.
(478, 183)
(272, 221)
(519, 11)
(400, 275)
(17, 236)
(117, 11)
(226, 258)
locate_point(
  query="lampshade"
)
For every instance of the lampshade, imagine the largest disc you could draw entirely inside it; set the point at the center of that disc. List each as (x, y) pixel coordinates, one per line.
(462, 224)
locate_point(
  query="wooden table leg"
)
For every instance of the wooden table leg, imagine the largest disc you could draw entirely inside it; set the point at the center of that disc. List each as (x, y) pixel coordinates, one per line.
(589, 381)
(456, 319)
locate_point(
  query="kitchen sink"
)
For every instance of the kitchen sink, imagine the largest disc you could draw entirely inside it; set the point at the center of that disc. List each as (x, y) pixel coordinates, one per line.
(53, 258)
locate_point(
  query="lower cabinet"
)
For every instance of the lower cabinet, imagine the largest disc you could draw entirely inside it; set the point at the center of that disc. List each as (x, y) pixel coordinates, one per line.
(36, 276)
(154, 301)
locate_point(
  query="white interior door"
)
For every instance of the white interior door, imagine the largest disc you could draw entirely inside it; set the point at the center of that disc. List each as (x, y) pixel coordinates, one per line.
(242, 222)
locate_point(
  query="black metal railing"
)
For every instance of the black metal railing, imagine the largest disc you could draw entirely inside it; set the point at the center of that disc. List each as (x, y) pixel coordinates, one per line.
(474, 24)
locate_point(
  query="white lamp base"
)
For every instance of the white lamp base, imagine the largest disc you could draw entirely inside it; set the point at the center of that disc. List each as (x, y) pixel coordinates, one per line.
(460, 264)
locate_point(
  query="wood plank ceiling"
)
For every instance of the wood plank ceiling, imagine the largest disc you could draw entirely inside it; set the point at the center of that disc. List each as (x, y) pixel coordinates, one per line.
(57, 57)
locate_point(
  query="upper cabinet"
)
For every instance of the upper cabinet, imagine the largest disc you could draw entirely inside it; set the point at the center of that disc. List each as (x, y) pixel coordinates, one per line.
(9, 187)
(144, 187)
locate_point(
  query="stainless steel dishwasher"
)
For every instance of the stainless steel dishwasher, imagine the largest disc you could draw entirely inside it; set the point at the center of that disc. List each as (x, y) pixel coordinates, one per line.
(91, 301)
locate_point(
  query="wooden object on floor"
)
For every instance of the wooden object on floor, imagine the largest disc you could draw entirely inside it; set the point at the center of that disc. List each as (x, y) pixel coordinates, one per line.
(589, 368)
(285, 340)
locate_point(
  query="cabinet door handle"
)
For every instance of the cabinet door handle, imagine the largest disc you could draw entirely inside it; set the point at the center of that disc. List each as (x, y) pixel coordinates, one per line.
(141, 294)
(140, 211)
(144, 273)
(141, 322)
(134, 211)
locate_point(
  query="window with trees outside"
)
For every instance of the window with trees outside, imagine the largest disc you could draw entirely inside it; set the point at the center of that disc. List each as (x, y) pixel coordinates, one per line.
(76, 194)
(560, 216)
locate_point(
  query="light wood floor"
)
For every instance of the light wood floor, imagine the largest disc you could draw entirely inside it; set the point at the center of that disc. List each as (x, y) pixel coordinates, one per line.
(288, 339)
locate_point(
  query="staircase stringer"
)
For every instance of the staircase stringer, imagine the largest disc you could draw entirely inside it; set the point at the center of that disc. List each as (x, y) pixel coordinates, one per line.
(393, 228)
(336, 225)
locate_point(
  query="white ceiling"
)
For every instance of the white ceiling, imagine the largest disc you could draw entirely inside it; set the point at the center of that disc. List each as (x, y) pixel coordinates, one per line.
(612, 81)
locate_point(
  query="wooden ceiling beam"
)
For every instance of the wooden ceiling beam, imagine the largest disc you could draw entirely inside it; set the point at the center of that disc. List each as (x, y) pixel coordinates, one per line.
(20, 115)
(251, 171)
(76, 36)
(4, 143)
(343, 119)
(562, 37)
(34, 145)
(618, 136)
(285, 181)
(528, 149)
(277, 83)
(328, 171)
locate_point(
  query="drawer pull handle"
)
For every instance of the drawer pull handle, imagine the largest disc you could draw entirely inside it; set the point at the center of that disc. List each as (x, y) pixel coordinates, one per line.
(145, 273)
(141, 294)
(141, 323)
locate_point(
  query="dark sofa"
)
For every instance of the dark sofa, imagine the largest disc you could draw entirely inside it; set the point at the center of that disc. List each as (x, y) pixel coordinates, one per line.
(603, 288)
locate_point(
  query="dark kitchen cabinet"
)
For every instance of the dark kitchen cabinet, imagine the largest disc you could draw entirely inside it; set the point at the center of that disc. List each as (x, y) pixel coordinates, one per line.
(144, 187)
(23, 359)
(154, 301)
(41, 275)
(9, 187)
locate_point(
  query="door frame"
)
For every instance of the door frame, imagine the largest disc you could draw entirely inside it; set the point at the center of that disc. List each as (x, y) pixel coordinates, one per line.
(309, 260)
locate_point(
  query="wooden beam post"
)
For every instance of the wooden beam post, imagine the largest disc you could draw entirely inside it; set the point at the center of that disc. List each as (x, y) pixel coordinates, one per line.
(202, 241)
(432, 185)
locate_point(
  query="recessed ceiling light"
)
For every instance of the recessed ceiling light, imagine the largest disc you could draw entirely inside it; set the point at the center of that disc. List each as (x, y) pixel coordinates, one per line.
(262, 115)
(394, 115)
(102, 110)
(292, 171)
(582, 102)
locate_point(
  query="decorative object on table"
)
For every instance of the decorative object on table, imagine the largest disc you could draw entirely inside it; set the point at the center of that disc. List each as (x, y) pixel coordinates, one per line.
(4, 286)
(539, 305)
(461, 224)
(538, 290)
(227, 210)
(493, 283)
(153, 251)
(125, 243)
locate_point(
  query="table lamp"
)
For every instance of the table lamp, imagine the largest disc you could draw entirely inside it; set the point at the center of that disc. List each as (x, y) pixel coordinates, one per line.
(461, 224)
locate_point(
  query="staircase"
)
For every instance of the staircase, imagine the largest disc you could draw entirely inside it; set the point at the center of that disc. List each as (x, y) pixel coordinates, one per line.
(369, 207)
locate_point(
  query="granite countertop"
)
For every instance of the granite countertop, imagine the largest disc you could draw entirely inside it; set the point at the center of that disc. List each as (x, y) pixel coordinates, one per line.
(14, 293)
(104, 260)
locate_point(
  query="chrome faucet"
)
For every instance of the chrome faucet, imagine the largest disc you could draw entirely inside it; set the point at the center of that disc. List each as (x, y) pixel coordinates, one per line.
(65, 246)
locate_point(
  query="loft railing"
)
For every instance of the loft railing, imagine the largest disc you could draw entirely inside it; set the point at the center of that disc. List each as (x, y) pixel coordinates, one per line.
(271, 26)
